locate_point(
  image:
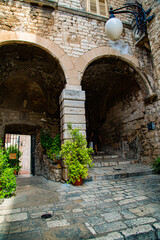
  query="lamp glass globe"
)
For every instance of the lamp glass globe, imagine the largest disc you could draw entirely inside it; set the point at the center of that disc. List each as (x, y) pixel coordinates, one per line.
(114, 28)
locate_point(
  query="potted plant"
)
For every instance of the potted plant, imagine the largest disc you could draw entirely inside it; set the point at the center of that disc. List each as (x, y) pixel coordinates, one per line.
(14, 162)
(77, 156)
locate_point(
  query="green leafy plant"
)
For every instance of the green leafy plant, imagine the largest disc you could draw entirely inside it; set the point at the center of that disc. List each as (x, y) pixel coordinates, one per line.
(7, 178)
(77, 155)
(7, 182)
(46, 139)
(156, 164)
(14, 163)
(54, 151)
(52, 146)
(3, 158)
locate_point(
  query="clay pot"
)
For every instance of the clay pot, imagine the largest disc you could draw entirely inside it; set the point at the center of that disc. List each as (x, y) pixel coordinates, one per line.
(78, 182)
(15, 172)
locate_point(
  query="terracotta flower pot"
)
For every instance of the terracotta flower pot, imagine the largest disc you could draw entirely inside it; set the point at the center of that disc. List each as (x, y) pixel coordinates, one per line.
(78, 182)
(15, 172)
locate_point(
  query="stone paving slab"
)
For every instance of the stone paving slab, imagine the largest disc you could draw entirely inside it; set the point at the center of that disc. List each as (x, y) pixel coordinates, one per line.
(118, 172)
(102, 210)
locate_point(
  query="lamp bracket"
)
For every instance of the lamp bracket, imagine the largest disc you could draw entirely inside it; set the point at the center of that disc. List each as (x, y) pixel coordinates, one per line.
(140, 16)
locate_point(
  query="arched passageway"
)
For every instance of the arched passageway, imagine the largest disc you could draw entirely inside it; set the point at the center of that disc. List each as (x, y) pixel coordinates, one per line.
(31, 81)
(115, 105)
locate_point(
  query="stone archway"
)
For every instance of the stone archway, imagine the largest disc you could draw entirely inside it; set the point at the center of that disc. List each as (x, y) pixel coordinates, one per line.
(146, 81)
(8, 37)
(31, 81)
(115, 93)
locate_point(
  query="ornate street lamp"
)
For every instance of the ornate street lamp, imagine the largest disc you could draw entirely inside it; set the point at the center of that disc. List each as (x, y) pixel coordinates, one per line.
(114, 26)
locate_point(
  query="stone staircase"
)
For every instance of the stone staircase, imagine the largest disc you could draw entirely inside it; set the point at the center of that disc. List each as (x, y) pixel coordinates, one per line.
(104, 160)
(113, 167)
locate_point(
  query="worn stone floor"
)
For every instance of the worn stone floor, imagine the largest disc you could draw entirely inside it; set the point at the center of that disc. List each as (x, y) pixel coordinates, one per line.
(111, 209)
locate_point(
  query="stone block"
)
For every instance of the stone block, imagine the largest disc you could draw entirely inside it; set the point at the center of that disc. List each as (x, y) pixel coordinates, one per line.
(78, 119)
(71, 110)
(58, 223)
(108, 227)
(71, 103)
(110, 236)
(68, 94)
(73, 87)
(67, 135)
(65, 174)
(111, 217)
(16, 217)
(139, 221)
(79, 126)
(67, 63)
(141, 232)
(157, 227)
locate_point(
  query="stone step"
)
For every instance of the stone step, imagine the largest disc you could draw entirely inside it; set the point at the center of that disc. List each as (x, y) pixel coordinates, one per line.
(113, 162)
(105, 156)
(118, 172)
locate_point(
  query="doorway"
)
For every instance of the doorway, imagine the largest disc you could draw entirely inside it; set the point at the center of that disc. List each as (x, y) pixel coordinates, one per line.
(23, 144)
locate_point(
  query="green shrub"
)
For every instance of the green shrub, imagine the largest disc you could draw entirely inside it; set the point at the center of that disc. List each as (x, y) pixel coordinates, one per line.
(51, 146)
(77, 155)
(156, 165)
(14, 163)
(7, 182)
(3, 158)
(46, 139)
(54, 151)
(7, 178)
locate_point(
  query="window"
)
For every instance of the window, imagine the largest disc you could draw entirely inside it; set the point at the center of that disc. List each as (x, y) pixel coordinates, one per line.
(98, 7)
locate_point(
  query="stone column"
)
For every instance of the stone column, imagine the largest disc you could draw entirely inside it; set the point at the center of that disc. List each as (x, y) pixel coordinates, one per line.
(72, 109)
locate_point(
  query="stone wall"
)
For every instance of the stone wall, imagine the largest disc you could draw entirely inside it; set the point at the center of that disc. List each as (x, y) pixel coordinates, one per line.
(122, 127)
(29, 123)
(75, 34)
(151, 139)
(78, 33)
(154, 36)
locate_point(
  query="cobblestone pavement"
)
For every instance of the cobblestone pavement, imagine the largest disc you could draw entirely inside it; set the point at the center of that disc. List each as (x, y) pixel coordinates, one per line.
(111, 209)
